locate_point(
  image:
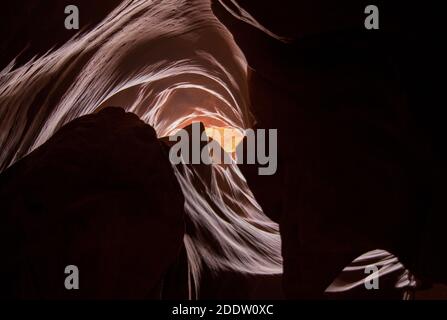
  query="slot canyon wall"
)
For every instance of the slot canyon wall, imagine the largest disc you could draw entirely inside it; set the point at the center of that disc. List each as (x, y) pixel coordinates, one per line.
(361, 159)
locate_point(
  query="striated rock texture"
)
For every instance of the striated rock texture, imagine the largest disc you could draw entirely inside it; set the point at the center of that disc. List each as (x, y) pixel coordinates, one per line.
(360, 124)
(101, 195)
(361, 157)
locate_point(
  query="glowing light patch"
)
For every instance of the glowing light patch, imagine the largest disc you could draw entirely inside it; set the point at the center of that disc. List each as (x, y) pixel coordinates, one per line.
(231, 232)
(228, 138)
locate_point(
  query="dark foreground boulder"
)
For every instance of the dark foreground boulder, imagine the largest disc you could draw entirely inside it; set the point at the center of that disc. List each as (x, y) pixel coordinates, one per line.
(100, 195)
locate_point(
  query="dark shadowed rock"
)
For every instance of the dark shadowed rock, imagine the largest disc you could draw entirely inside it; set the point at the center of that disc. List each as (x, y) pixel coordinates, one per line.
(356, 112)
(361, 159)
(101, 195)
